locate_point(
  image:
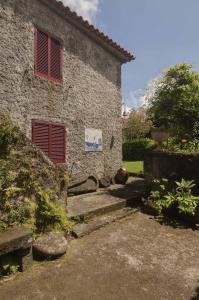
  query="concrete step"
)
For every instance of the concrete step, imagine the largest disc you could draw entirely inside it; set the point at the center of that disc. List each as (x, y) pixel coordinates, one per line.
(94, 205)
(97, 204)
(85, 207)
(83, 229)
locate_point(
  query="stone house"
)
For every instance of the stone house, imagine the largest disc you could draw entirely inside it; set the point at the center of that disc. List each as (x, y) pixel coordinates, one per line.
(60, 80)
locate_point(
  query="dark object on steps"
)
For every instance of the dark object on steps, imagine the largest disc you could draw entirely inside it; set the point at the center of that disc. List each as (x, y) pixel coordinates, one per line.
(84, 185)
(105, 182)
(122, 176)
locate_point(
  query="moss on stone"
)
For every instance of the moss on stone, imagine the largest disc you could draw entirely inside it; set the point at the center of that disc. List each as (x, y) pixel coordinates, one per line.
(33, 191)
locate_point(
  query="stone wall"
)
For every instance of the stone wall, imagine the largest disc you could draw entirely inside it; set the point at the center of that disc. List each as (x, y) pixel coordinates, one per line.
(90, 94)
(174, 166)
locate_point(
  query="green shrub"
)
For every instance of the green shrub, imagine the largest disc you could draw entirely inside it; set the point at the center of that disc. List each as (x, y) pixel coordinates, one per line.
(174, 145)
(134, 150)
(50, 215)
(180, 197)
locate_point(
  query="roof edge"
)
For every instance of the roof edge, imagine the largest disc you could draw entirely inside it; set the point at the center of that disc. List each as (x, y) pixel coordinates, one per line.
(64, 11)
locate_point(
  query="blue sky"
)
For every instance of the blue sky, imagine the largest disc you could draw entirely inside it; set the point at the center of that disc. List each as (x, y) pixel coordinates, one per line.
(159, 32)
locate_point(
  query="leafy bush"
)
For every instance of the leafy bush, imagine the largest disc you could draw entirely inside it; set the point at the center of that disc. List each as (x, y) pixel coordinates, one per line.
(184, 146)
(50, 214)
(181, 197)
(135, 149)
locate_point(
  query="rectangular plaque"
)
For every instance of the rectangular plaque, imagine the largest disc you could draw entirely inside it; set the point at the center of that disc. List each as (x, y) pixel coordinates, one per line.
(93, 139)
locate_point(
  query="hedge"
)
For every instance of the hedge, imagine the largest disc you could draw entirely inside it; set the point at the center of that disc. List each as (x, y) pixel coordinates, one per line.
(134, 150)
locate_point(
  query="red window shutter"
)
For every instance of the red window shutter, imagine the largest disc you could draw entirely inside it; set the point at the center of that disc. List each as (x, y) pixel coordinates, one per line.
(40, 136)
(51, 139)
(48, 56)
(55, 59)
(41, 53)
(57, 143)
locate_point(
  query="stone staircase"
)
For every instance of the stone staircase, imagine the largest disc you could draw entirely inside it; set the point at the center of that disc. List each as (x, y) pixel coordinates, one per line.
(95, 210)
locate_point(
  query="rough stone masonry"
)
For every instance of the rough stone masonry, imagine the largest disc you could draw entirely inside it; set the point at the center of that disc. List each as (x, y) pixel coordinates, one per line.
(89, 96)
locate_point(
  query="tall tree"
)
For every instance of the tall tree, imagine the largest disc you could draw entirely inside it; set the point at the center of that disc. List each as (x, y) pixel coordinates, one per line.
(175, 102)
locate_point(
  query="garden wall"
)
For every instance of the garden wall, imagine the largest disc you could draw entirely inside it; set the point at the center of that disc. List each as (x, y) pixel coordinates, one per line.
(174, 166)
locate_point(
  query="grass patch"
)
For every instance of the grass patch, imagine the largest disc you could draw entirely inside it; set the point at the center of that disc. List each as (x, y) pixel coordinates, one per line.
(134, 166)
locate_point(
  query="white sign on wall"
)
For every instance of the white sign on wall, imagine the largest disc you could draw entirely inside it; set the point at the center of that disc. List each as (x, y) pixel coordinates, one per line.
(93, 139)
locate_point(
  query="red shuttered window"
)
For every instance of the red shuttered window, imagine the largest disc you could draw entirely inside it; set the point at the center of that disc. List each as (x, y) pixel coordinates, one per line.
(51, 139)
(48, 56)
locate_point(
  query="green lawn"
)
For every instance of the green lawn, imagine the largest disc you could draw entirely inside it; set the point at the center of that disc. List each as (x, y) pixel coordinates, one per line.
(134, 166)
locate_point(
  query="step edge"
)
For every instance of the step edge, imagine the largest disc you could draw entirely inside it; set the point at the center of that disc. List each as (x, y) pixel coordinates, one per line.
(106, 222)
(104, 209)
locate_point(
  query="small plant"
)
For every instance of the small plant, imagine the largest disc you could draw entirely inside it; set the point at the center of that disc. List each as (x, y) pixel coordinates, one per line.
(50, 215)
(160, 186)
(7, 132)
(8, 265)
(181, 197)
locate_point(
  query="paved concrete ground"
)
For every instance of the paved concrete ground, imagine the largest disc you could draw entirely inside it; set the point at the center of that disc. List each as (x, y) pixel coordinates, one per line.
(135, 258)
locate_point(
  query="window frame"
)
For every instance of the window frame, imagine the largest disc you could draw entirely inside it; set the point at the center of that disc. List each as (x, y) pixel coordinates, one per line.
(39, 74)
(50, 124)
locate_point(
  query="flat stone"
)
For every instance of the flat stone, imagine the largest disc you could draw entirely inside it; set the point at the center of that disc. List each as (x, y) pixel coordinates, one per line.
(50, 245)
(90, 205)
(14, 239)
(17, 241)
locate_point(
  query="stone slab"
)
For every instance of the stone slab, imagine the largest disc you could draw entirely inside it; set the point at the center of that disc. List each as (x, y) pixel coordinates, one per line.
(14, 239)
(84, 207)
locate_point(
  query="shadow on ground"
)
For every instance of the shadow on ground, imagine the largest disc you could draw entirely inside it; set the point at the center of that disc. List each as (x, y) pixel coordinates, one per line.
(133, 191)
(175, 223)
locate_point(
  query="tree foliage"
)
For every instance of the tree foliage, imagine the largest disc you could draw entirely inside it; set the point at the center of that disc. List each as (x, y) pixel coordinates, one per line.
(137, 125)
(175, 103)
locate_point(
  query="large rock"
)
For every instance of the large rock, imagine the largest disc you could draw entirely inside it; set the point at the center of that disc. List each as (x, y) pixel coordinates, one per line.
(90, 184)
(105, 182)
(50, 245)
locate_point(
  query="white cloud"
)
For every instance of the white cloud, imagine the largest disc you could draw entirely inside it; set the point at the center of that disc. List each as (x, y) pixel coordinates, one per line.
(88, 9)
(138, 98)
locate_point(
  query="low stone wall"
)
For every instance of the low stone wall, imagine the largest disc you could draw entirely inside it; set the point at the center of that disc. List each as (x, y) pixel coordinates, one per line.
(174, 166)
